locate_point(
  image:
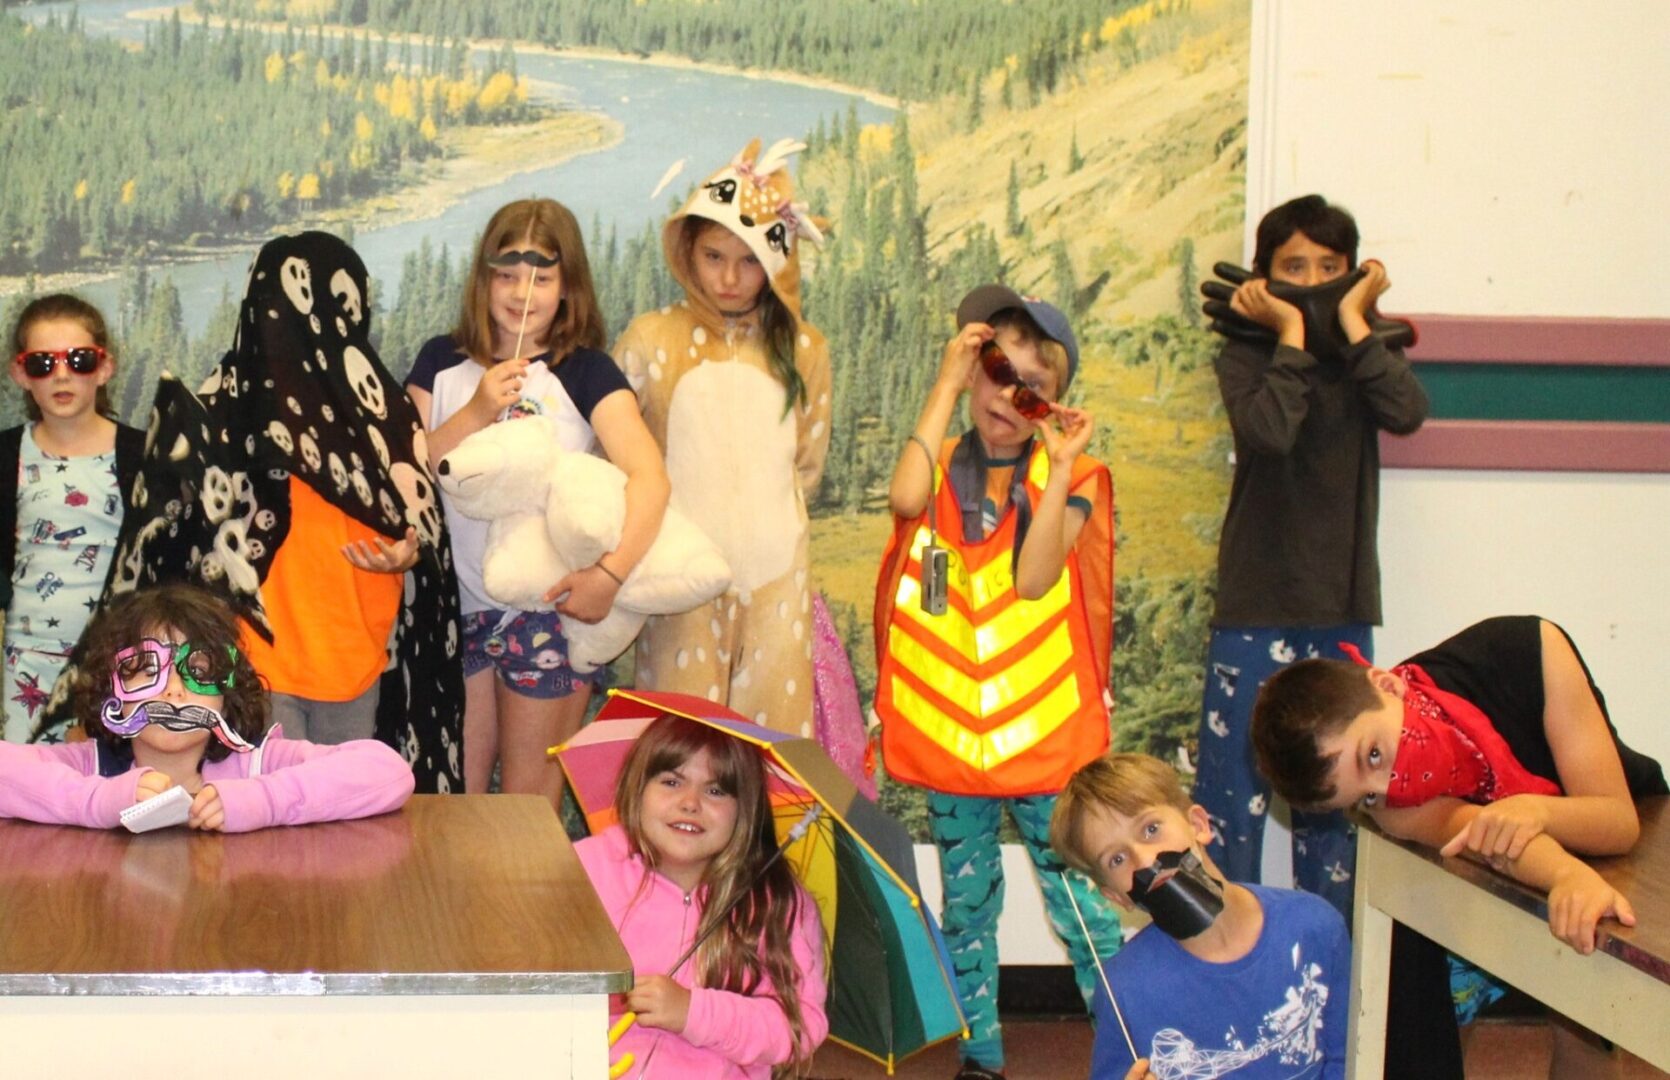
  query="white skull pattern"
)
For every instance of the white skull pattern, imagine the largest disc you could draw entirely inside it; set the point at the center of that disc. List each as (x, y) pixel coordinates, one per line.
(418, 493)
(362, 377)
(297, 280)
(216, 495)
(310, 452)
(280, 435)
(339, 472)
(347, 294)
(232, 550)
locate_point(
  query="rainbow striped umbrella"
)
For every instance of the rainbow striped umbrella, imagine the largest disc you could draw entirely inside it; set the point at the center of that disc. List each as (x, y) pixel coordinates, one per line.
(890, 988)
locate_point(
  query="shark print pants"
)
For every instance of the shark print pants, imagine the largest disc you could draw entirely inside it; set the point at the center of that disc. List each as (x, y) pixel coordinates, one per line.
(965, 829)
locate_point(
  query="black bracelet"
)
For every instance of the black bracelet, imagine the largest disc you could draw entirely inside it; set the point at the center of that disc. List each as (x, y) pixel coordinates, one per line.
(618, 579)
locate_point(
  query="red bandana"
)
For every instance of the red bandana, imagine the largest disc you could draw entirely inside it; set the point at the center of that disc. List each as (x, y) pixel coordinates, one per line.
(1449, 747)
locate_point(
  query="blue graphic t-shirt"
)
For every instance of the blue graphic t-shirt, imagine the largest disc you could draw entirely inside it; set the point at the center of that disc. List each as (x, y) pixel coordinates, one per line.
(1278, 1012)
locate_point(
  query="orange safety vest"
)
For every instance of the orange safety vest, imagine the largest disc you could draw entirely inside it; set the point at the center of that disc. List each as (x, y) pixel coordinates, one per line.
(999, 696)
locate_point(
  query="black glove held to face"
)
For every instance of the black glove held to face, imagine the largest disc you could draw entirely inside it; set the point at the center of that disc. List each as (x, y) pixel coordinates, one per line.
(1319, 304)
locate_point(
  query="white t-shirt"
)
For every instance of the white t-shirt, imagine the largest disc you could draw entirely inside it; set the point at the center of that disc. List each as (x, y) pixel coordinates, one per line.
(566, 395)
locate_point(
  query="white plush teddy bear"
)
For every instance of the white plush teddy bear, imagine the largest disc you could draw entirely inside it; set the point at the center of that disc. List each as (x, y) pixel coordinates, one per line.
(552, 510)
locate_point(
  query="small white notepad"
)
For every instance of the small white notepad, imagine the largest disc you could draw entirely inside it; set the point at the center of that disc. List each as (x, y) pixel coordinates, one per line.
(172, 807)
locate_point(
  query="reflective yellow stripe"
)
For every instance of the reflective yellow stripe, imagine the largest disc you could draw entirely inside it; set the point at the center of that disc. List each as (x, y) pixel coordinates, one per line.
(1038, 474)
(984, 697)
(993, 634)
(988, 751)
(983, 586)
(988, 639)
(995, 580)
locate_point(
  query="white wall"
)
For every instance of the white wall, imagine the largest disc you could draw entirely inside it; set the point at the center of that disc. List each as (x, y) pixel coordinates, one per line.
(1503, 157)
(1587, 551)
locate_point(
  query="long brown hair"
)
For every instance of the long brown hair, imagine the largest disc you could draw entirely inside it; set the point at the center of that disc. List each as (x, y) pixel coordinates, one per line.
(550, 225)
(68, 306)
(202, 620)
(776, 320)
(753, 940)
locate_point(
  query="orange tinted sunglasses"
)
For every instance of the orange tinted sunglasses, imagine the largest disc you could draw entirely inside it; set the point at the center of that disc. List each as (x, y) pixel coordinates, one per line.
(1000, 370)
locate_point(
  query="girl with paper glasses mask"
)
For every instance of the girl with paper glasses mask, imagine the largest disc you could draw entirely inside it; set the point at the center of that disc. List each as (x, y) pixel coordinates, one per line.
(62, 476)
(167, 699)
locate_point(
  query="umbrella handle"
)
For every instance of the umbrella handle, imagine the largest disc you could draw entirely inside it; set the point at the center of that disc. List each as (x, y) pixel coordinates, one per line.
(618, 1068)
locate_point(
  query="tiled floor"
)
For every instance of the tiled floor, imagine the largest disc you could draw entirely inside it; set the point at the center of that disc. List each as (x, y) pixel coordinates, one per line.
(1051, 1050)
(1502, 1050)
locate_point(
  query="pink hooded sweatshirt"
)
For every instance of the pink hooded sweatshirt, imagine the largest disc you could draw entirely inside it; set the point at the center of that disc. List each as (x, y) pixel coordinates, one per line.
(726, 1034)
(297, 782)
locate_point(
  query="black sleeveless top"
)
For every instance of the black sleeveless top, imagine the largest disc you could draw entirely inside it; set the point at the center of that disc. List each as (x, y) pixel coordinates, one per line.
(1497, 665)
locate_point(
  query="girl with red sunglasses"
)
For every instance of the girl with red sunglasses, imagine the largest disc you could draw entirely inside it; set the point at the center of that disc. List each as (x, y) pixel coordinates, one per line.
(62, 479)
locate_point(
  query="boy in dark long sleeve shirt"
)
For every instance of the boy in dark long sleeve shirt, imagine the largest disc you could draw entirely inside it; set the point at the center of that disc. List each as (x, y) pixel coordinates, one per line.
(1298, 568)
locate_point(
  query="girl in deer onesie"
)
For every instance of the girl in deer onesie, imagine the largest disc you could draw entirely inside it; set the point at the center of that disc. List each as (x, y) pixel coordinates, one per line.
(734, 385)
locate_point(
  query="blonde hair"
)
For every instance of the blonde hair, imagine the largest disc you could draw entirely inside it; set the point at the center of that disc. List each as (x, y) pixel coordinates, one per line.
(1125, 784)
(69, 307)
(752, 942)
(550, 225)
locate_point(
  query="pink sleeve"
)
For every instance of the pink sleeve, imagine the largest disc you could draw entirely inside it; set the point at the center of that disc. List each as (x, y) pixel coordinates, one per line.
(302, 782)
(752, 1029)
(60, 785)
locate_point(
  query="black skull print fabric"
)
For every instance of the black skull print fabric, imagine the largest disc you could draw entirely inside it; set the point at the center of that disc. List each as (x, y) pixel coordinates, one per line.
(302, 392)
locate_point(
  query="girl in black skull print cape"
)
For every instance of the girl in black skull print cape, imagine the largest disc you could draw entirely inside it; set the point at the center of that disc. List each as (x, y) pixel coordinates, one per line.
(302, 393)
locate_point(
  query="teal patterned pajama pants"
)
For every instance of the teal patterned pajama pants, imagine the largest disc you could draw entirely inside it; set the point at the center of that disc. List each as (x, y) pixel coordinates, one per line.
(965, 829)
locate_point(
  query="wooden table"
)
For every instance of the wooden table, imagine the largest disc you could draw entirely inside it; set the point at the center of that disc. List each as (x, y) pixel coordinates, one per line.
(1622, 990)
(458, 937)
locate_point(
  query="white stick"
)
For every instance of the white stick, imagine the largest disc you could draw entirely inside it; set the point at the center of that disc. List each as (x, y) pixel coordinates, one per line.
(527, 302)
(1091, 945)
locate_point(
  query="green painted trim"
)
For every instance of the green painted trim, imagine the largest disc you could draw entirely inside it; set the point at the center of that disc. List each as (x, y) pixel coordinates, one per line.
(1546, 392)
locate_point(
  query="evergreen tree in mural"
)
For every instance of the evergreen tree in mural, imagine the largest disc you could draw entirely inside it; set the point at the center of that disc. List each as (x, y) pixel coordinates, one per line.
(239, 130)
(892, 47)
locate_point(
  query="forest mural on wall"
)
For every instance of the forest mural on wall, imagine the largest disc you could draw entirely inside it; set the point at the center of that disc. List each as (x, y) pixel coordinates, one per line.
(1092, 153)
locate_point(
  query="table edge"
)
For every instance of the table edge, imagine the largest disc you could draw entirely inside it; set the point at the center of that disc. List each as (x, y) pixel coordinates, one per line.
(310, 984)
(1610, 938)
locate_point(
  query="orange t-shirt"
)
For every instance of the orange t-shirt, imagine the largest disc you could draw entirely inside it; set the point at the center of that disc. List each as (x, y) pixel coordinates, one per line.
(330, 620)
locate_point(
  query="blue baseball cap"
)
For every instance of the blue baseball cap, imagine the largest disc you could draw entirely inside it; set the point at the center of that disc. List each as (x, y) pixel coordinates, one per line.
(983, 303)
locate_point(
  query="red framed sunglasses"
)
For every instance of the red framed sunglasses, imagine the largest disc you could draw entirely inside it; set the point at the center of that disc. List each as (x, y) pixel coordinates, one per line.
(40, 363)
(1000, 370)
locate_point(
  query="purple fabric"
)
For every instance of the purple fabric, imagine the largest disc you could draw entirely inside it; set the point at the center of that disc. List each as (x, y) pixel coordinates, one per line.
(835, 706)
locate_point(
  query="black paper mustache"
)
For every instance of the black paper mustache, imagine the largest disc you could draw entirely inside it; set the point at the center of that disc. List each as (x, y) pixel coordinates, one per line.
(532, 258)
(1186, 902)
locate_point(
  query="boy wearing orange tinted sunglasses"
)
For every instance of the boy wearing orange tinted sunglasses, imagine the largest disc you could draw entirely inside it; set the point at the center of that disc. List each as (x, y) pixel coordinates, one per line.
(994, 616)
